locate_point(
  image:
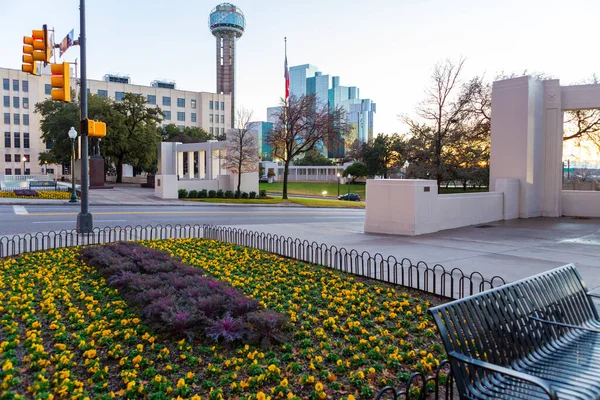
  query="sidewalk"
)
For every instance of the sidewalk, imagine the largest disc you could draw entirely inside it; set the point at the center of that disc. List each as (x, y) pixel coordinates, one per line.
(512, 249)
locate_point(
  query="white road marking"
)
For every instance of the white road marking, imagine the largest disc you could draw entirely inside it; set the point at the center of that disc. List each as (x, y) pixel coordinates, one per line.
(20, 210)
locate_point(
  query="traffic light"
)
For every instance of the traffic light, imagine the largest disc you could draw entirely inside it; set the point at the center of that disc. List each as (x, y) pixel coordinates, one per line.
(36, 47)
(61, 82)
(42, 48)
(29, 65)
(96, 129)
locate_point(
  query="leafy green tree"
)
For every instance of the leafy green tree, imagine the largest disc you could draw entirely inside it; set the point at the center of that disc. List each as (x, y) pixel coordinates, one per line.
(313, 157)
(58, 117)
(189, 134)
(356, 170)
(383, 154)
(136, 138)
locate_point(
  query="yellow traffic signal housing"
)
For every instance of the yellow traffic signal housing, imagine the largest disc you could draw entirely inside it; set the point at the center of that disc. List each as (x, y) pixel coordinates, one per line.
(61, 82)
(96, 129)
(29, 65)
(41, 45)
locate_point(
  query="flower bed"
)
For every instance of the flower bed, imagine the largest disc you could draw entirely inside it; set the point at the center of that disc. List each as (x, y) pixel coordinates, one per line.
(33, 194)
(64, 331)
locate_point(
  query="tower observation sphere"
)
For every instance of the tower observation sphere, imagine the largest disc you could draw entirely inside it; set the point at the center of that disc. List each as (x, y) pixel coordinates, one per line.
(227, 24)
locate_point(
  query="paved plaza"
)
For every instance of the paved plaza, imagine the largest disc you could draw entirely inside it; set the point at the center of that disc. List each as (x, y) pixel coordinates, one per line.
(511, 249)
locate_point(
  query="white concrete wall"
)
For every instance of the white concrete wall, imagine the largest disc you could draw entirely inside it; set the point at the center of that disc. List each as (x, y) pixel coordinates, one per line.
(166, 186)
(414, 207)
(456, 210)
(579, 203)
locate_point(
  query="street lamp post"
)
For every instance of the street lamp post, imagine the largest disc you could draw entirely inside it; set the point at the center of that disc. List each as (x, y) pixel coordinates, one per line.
(338, 176)
(24, 161)
(73, 136)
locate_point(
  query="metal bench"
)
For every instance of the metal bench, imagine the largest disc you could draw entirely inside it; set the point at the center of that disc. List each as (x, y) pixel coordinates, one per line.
(537, 338)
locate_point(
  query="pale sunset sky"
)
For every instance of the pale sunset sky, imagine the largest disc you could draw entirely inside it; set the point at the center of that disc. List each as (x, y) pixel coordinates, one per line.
(385, 47)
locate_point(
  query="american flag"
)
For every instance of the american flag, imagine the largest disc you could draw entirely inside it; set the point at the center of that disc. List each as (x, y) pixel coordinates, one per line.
(286, 75)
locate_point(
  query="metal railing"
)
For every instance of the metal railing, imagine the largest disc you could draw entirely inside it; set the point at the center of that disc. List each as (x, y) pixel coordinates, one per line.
(437, 280)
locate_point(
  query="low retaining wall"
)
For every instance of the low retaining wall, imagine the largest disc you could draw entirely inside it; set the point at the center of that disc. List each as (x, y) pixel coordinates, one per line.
(456, 210)
(580, 203)
(414, 207)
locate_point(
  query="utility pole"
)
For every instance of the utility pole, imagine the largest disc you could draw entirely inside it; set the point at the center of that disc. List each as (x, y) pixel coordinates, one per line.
(84, 218)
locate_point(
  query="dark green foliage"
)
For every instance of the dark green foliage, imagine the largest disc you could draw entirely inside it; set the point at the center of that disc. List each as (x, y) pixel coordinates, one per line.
(220, 194)
(312, 158)
(244, 195)
(263, 194)
(228, 194)
(237, 194)
(252, 195)
(193, 194)
(203, 194)
(182, 193)
(212, 194)
(356, 170)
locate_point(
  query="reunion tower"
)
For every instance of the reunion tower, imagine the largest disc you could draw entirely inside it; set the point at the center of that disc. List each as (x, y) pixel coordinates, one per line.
(227, 24)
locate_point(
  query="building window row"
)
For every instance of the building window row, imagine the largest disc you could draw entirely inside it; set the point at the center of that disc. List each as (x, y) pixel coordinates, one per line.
(214, 105)
(119, 96)
(16, 102)
(180, 116)
(8, 171)
(16, 140)
(180, 102)
(6, 85)
(102, 93)
(151, 99)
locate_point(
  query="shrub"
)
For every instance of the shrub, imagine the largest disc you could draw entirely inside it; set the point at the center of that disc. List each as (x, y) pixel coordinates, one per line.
(182, 193)
(177, 299)
(262, 194)
(267, 327)
(25, 192)
(237, 194)
(220, 194)
(228, 194)
(193, 194)
(244, 195)
(212, 194)
(203, 194)
(252, 195)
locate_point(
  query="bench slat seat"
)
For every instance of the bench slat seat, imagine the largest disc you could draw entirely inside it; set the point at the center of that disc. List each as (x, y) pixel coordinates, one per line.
(523, 340)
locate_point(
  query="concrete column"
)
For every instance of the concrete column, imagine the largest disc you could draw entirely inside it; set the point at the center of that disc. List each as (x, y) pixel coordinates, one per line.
(190, 157)
(517, 139)
(209, 163)
(180, 164)
(553, 147)
(201, 166)
(216, 164)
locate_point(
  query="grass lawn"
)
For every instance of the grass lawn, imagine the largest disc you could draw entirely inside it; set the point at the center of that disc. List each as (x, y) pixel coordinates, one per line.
(314, 188)
(66, 332)
(317, 188)
(329, 203)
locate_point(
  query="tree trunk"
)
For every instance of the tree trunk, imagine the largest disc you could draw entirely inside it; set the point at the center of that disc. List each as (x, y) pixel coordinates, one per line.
(464, 186)
(284, 194)
(239, 185)
(120, 170)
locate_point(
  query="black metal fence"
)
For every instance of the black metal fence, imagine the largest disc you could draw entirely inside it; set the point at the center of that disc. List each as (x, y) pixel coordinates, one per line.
(450, 283)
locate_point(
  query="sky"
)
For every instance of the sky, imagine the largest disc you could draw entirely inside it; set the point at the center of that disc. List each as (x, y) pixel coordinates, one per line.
(385, 47)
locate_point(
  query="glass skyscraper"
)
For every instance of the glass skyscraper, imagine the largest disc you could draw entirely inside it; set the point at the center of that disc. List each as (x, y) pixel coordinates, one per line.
(307, 79)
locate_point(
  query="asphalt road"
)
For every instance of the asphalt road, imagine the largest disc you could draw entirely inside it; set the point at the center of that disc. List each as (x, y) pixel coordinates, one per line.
(24, 219)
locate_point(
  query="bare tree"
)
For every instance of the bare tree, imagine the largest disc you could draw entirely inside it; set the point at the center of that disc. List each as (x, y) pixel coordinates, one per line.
(447, 105)
(583, 125)
(302, 125)
(242, 147)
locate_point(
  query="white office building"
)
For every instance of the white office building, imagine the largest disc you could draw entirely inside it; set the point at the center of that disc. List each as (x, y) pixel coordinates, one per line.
(21, 141)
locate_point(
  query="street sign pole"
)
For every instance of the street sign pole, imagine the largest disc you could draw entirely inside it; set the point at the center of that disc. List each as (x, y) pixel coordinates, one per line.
(84, 218)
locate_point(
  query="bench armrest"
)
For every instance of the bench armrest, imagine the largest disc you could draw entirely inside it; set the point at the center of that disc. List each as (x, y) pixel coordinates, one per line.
(561, 324)
(541, 383)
